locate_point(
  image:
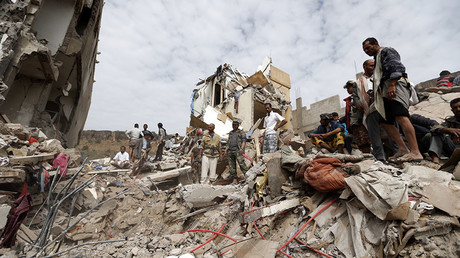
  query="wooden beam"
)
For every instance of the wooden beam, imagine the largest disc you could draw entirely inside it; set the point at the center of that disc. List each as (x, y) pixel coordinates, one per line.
(19, 160)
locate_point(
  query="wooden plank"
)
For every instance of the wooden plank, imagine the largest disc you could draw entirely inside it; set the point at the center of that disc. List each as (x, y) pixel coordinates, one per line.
(197, 123)
(258, 79)
(18, 160)
(5, 118)
(108, 171)
(11, 174)
(280, 76)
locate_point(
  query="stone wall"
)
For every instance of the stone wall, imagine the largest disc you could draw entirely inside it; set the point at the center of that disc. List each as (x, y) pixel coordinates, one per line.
(305, 120)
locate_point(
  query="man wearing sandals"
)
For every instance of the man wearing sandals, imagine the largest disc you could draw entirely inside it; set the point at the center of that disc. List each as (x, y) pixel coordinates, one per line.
(391, 97)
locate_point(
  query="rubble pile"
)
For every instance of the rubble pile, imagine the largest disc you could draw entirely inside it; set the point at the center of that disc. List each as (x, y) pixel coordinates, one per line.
(383, 210)
(296, 202)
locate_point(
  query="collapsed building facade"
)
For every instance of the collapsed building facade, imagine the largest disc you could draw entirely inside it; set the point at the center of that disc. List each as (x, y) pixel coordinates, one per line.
(230, 94)
(47, 60)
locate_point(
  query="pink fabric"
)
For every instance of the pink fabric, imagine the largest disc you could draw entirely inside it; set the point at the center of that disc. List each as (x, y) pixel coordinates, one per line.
(61, 160)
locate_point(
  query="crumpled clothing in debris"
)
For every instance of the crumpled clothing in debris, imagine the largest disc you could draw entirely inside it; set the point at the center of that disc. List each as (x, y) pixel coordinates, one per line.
(323, 174)
(17, 215)
(61, 160)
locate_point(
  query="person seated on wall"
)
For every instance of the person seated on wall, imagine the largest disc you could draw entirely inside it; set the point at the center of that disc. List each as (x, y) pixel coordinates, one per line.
(445, 79)
(121, 159)
(328, 135)
(446, 137)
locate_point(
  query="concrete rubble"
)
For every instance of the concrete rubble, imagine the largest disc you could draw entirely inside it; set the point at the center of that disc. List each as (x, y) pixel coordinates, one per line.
(289, 203)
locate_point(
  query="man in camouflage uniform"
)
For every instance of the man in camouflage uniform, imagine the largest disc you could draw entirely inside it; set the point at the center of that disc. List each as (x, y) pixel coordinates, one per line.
(209, 155)
(235, 150)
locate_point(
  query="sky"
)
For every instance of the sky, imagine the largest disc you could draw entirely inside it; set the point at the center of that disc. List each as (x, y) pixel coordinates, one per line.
(154, 52)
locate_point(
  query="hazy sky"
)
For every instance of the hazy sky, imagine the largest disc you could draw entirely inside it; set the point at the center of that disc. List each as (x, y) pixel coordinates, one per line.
(154, 52)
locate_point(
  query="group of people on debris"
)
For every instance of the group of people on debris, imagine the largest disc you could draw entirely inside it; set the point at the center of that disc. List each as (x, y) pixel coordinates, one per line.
(211, 149)
(139, 146)
(380, 98)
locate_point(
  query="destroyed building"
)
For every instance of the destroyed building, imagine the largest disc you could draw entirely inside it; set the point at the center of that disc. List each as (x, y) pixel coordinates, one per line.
(230, 94)
(47, 60)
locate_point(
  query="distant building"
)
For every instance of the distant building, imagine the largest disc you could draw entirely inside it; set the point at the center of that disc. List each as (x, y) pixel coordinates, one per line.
(47, 60)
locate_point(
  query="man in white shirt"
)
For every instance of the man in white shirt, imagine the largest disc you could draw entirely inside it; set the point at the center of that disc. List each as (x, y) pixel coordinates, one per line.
(272, 122)
(121, 160)
(133, 135)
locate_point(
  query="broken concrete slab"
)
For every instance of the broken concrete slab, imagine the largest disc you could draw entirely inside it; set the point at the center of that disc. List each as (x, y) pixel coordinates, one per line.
(200, 195)
(443, 198)
(4, 211)
(276, 175)
(256, 248)
(255, 214)
(161, 176)
(422, 175)
(167, 166)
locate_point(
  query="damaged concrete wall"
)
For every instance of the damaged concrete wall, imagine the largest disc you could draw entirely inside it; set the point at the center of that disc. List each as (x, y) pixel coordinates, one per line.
(236, 95)
(305, 120)
(47, 60)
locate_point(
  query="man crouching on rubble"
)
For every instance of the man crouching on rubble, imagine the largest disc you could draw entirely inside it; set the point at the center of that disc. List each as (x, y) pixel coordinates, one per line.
(212, 151)
(329, 134)
(235, 150)
(121, 159)
(446, 137)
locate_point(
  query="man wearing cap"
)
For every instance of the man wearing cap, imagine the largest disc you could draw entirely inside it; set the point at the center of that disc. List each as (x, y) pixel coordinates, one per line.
(329, 134)
(272, 122)
(235, 150)
(391, 97)
(210, 154)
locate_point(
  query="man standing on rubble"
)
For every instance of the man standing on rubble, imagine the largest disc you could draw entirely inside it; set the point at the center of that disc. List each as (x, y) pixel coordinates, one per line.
(235, 150)
(210, 154)
(133, 135)
(121, 159)
(272, 122)
(162, 134)
(329, 134)
(391, 98)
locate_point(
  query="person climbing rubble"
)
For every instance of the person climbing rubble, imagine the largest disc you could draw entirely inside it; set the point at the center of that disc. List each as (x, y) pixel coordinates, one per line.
(235, 150)
(391, 97)
(209, 154)
(328, 135)
(121, 159)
